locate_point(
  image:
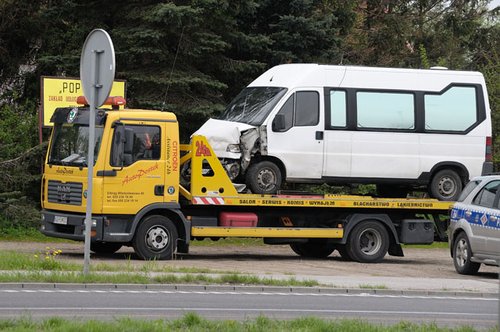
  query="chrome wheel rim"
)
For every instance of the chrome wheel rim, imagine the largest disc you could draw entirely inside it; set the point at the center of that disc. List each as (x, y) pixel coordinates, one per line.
(266, 179)
(461, 252)
(370, 241)
(447, 186)
(157, 238)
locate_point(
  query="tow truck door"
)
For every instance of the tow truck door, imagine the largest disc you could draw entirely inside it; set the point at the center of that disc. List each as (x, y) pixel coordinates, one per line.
(140, 181)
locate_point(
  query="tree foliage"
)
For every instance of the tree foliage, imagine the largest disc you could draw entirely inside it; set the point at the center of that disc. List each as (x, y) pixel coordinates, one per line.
(191, 57)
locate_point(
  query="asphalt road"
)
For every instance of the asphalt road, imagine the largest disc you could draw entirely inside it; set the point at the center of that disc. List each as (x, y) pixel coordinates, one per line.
(109, 302)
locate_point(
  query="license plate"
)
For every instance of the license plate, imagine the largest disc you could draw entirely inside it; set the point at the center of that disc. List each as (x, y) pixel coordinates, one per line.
(61, 220)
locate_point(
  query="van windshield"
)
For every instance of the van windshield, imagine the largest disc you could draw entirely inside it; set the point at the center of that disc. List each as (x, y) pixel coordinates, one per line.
(253, 105)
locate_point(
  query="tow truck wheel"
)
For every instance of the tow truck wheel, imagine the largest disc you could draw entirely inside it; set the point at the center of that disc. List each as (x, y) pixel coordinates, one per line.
(105, 247)
(264, 178)
(313, 249)
(462, 255)
(344, 253)
(368, 242)
(155, 238)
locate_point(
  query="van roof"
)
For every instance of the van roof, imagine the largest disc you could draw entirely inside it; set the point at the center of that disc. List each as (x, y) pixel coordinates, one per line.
(315, 75)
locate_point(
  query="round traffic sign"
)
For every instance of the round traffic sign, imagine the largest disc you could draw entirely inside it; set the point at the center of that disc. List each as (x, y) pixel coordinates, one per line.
(97, 66)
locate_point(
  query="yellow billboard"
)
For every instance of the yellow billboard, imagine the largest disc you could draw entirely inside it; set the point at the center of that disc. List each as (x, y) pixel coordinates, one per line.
(63, 91)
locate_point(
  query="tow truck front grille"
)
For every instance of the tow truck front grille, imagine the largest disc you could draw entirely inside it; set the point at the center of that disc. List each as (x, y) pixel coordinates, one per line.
(65, 192)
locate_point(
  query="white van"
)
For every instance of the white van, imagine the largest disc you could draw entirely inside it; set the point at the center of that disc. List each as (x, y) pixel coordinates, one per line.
(397, 128)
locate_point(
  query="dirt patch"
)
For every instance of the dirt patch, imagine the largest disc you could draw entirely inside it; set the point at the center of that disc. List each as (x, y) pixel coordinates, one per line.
(419, 263)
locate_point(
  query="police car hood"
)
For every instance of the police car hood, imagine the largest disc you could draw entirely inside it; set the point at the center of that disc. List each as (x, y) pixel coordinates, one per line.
(221, 133)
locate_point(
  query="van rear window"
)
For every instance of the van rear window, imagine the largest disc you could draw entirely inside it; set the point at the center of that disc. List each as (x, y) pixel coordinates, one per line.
(454, 110)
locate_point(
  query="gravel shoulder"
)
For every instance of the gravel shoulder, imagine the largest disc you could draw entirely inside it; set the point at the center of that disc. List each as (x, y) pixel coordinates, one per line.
(420, 269)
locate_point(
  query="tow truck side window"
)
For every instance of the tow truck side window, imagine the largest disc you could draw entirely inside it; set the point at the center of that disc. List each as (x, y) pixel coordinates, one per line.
(486, 197)
(146, 145)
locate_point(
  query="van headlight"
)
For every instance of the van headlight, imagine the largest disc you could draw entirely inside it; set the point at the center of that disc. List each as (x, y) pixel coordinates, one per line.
(234, 148)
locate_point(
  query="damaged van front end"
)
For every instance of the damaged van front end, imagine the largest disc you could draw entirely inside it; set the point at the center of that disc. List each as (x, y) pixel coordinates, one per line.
(234, 143)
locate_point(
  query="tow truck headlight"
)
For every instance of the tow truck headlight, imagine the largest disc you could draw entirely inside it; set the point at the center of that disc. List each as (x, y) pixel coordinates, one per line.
(234, 148)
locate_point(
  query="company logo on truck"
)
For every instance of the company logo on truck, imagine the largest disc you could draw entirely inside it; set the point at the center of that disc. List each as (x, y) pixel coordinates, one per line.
(202, 150)
(139, 174)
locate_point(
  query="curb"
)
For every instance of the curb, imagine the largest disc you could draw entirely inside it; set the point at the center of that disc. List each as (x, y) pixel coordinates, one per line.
(247, 289)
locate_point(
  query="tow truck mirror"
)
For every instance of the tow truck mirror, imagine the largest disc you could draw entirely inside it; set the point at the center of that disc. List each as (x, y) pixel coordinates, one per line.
(279, 122)
(118, 148)
(123, 144)
(128, 147)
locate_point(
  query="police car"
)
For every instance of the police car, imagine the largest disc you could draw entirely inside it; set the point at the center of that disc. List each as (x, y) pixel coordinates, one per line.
(474, 233)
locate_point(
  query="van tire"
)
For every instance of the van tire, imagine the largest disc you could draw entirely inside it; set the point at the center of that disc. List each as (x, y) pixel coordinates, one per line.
(462, 255)
(105, 248)
(313, 249)
(368, 242)
(446, 185)
(264, 178)
(155, 238)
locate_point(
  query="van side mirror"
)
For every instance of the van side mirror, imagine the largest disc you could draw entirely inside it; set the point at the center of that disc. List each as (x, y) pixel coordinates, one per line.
(279, 122)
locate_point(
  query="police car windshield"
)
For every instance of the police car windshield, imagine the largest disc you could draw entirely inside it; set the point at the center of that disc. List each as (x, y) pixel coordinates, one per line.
(253, 105)
(468, 189)
(70, 144)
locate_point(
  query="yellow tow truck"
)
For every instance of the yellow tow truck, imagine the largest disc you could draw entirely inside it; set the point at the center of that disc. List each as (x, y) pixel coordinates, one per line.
(157, 195)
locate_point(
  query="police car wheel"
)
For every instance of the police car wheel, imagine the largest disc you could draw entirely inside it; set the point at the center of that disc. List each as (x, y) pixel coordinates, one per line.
(462, 256)
(155, 238)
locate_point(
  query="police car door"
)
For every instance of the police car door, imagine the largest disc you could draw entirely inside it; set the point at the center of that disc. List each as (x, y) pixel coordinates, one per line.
(485, 219)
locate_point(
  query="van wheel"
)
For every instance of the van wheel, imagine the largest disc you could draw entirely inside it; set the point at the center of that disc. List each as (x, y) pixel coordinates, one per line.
(155, 238)
(446, 185)
(105, 247)
(462, 255)
(313, 249)
(264, 178)
(368, 242)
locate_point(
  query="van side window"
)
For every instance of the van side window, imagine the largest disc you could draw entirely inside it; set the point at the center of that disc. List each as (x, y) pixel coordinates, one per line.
(287, 111)
(146, 145)
(338, 108)
(453, 110)
(301, 109)
(486, 196)
(383, 110)
(306, 108)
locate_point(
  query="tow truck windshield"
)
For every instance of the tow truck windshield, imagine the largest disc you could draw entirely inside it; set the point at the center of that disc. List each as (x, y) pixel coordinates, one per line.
(70, 144)
(253, 105)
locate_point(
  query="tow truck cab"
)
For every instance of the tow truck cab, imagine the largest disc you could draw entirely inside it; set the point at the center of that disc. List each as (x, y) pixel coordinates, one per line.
(136, 169)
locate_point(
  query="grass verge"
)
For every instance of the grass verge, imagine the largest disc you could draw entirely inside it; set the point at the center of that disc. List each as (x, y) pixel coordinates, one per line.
(46, 267)
(145, 278)
(194, 322)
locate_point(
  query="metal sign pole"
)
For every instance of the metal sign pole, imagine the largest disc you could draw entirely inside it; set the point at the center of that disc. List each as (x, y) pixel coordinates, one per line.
(90, 175)
(97, 72)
